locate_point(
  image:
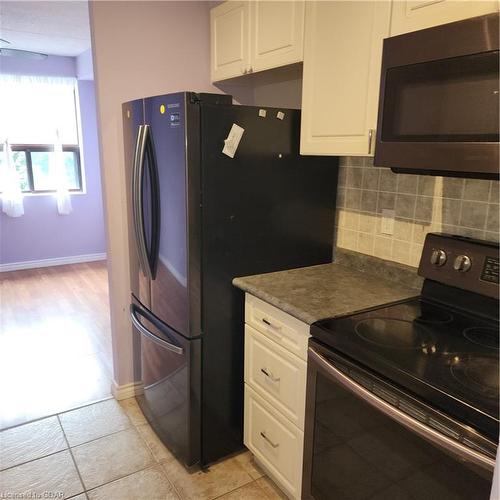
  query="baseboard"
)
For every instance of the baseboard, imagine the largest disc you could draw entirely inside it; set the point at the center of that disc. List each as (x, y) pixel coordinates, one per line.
(33, 264)
(126, 391)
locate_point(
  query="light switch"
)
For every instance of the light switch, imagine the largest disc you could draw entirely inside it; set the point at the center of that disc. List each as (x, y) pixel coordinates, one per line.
(387, 224)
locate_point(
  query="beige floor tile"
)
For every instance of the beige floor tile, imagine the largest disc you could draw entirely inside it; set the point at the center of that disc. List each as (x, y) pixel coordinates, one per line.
(270, 489)
(247, 461)
(111, 457)
(53, 474)
(30, 441)
(251, 491)
(82, 496)
(150, 484)
(134, 412)
(219, 479)
(93, 421)
(158, 449)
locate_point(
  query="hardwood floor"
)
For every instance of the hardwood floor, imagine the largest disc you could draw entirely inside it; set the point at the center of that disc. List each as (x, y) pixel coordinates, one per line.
(55, 340)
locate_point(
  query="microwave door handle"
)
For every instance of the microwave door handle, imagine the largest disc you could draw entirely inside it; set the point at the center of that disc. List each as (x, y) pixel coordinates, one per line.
(413, 425)
(137, 200)
(144, 331)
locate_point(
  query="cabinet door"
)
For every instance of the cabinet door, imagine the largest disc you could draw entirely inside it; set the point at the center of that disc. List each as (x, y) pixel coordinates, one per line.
(342, 60)
(277, 34)
(229, 40)
(413, 15)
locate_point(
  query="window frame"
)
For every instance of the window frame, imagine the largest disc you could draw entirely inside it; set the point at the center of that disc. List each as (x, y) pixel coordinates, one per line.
(47, 148)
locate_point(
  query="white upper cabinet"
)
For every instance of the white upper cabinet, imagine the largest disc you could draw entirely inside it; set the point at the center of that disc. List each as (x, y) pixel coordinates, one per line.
(253, 36)
(229, 40)
(342, 61)
(277, 34)
(411, 15)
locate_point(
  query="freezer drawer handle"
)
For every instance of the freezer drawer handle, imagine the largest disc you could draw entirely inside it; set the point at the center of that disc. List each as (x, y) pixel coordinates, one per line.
(144, 331)
(413, 425)
(274, 445)
(270, 375)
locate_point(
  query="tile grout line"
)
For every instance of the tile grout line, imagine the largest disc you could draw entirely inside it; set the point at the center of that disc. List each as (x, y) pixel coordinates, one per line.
(72, 457)
(122, 477)
(408, 219)
(155, 460)
(158, 462)
(101, 400)
(132, 426)
(34, 460)
(241, 486)
(100, 437)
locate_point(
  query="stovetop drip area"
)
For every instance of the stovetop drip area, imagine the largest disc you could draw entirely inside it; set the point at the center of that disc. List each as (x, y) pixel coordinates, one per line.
(445, 356)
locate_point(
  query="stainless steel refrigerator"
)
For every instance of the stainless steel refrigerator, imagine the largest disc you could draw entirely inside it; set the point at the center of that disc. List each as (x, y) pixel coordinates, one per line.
(198, 218)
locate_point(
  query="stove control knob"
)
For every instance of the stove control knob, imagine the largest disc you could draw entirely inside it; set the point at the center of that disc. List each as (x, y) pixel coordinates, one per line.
(438, 258)
(462, 263)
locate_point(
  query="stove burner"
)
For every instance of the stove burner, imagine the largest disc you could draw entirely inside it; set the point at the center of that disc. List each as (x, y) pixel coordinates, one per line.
(482, 335)
(479, 374)
(393, 333)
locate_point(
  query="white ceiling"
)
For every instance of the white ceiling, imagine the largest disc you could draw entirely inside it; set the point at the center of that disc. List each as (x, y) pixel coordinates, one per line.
(52, 27)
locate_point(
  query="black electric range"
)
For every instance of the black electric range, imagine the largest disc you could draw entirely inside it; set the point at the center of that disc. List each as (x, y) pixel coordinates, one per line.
(413, 383)
(443, 346)
(445, 356)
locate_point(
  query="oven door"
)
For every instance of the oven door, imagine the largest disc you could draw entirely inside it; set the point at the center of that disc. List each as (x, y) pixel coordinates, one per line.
(359, 444)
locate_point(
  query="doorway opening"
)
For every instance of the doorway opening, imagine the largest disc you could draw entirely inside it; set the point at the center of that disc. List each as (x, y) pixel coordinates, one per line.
(55, 338)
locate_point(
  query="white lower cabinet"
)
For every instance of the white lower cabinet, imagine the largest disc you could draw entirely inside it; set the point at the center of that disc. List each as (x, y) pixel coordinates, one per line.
(280, 376)
(275, 392)
(275, 442)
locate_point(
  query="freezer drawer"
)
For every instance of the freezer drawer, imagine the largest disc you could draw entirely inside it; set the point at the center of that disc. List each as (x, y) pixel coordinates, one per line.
(168, 365)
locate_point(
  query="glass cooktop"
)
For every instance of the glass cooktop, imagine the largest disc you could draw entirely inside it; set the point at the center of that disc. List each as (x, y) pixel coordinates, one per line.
(447, 357)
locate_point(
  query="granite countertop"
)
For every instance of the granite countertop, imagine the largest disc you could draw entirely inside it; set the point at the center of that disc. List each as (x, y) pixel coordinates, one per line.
(331, 290)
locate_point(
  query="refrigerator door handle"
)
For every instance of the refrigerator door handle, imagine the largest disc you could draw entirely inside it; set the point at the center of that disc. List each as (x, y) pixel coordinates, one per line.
(155, 199)
(137, 200)
(134, 310)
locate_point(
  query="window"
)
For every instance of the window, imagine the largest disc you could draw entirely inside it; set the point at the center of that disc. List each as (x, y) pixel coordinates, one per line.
(33, 167)
(34, 111)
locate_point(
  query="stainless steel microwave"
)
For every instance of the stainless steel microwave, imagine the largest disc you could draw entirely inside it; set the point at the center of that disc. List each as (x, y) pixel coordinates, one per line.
(439, 100)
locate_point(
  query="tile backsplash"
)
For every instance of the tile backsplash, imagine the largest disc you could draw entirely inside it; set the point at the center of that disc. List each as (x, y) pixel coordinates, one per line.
(421, 203)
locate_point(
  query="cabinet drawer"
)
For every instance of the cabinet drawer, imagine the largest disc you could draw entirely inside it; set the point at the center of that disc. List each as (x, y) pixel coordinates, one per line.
(287, 331)
(276, 374)
(274, 441)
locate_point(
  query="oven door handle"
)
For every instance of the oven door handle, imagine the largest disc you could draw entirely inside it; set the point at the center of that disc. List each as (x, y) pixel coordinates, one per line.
(425, 432)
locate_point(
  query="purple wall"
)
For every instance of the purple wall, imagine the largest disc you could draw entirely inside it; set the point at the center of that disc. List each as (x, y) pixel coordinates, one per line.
(41, 233)
(52, 66)
(84, 67)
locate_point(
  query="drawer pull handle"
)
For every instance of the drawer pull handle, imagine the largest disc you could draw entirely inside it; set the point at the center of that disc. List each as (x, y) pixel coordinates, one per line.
(268, 323)
(274, 445)
(270, 375)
